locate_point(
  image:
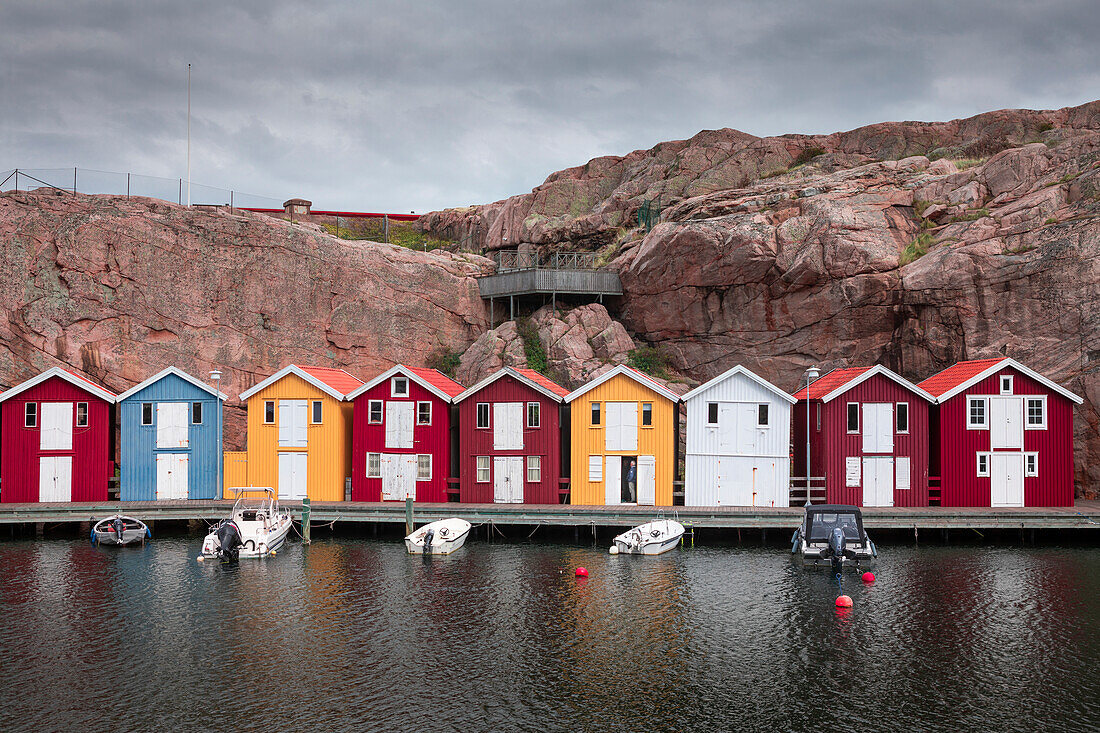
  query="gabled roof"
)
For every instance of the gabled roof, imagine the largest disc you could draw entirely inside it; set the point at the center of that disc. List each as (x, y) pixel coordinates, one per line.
(432, 380)
(71, 377)
(179, 373)
(530, 377)
(637, 376)
(333, 382)
(733, 372)
(839, 381)
(958, 377)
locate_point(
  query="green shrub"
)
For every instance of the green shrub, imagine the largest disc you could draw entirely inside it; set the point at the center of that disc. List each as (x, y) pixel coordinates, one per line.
(917, 248)
(532, 346)
(964, 163)
(445, 360)
(1051, 220)
(807, 155)
(972, 215)
(1045, 126)
(401, 233)
(1068, 177)
(773, 173)
(649, 359)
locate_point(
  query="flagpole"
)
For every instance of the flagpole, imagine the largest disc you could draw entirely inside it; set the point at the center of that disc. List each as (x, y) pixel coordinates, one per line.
(189, 136)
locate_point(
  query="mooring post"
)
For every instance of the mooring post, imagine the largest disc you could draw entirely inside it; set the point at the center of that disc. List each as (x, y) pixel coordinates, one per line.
(305, 520)
(408, 515)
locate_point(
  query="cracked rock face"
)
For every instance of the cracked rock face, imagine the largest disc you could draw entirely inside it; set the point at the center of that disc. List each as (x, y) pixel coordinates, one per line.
(120, 289)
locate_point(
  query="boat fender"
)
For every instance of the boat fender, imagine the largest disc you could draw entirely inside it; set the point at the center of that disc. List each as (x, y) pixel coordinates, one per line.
(794, 542)
(428, 539)
(874, 550)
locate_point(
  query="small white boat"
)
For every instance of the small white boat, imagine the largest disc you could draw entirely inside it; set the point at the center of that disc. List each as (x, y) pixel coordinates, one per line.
(119, 530)
(439, 538)
(256, 528)
(651, 538)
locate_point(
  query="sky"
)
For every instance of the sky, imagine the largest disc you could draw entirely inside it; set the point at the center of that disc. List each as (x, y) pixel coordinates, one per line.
(415, 106)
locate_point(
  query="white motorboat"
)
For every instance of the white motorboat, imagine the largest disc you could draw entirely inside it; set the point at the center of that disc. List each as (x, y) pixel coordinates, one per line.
(439, 538)
(651, 538)
(256, 528)
(833, 535)
(119, 530)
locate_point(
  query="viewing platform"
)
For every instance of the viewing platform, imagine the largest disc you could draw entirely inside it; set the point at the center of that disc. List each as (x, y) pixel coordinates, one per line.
(521, 274)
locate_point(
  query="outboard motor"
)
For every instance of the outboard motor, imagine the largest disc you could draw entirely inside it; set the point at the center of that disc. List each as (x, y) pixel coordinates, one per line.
(229, 542)
(428, 536)
(119, 526)
(837, 546)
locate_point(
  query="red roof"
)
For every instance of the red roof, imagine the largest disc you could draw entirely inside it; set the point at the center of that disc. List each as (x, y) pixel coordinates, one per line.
(437, 379)
(85, 379)
(953, 376)
(830, 383)
(338, 379)
(544, 381)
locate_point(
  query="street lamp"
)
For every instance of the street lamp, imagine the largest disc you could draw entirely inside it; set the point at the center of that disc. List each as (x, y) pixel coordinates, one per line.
(216, 377)
(811, 374)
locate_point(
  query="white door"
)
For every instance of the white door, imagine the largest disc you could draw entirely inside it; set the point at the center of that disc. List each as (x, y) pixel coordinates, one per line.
(1006, 423)
(292, 475)
(613, 480)
(57, 426)
(398, 476)
(399, 424)
(621, 432)
(878, 482)
(507, 426)
(1006, 473)
(725, 477)
(746, 429)
(647, 480)
(508, 479)
(727, 428)
(55, 478)
(878, 427)
(763, 482)
(292, 424)
(172, 420)
(172, 475)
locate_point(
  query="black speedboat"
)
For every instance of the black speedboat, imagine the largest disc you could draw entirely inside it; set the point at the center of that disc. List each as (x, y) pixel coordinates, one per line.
(833, 534)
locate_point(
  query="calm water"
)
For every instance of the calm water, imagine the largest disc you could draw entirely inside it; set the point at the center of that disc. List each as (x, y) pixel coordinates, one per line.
(354, 634)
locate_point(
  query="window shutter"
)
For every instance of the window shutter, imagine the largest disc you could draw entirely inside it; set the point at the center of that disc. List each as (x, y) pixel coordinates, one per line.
(595, 469)
(613, 426)
(851, 471)
(629, 439)
(870, 429)
(286, 432)
(904, 477)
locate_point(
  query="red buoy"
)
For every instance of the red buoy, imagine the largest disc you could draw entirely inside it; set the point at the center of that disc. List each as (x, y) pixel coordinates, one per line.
(844, 602)
(582, 572)
(868, 577)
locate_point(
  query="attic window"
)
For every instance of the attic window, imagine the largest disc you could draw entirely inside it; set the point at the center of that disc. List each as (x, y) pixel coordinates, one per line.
(712, 413)
(1006, 384)
(146, 413)
(853, 417)
(399, 387)
(196, 413)
(762, 415)
(82, 414)
(30, 415)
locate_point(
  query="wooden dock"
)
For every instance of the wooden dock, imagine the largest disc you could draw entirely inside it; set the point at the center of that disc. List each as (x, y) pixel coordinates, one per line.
(1084, 516)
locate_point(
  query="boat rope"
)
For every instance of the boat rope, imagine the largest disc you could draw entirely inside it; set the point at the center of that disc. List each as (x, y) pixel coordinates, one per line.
(1087, 518)
(536, 529)
(840, 582)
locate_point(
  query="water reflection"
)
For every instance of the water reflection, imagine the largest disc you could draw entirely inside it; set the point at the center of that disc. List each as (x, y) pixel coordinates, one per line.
(353, 635)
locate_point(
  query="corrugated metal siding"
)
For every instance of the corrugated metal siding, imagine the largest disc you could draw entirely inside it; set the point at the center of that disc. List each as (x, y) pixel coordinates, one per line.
(658, 441)
(327, 444)
(958, 447)
(544, 441)
(431, 439)
(138, 468)
(19, 459)
(702, 447)
(235, 470)
(833, 444)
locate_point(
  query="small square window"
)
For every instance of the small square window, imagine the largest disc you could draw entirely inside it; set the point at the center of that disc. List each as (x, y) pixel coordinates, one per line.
(374, 465)
(712, 413)
(534, 469)
(975, 418)
(374, 412)
(483, 469)
(269, 412)
(1031, 464)
(533, 414)
(30, 415)
(1036, 413)
(82, 414)
(762, 415)
(146, 413)
(399, 387)
(853, 417)
(647, 414)
(901, 417)
(483, 414)
(315, 416)
(196, 413)
(1006, 384)
(424, 467)
(595, 413)
(983, 464)
(423, 413)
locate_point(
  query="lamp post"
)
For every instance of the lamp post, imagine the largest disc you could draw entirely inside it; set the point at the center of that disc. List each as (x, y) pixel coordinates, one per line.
(216, 376)
(811, 374)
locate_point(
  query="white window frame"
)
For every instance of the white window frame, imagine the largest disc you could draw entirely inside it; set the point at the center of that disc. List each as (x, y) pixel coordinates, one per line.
(1027, 412)
(76, 415)
(394, 381)
(595, 410)
(982, 472)
(897, 411)
(418, 406)
(313, 406)
(1005, 379)
(763, 409)
(419, 466)
(371, 404)
(534, 467)
(641, 419)
(377, 459)
(819, 417)
(1031, 471)
(483, 465)
(984, 424)
(196, 406)
(595, 469)
(271, 404)
(147, 406)
(538, 414)
(30, 414)
(488, 416)
(712, 407)
(848, 418)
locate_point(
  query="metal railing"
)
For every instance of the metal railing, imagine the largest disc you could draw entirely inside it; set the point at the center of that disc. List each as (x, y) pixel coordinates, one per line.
(816, 490)
(511, 260)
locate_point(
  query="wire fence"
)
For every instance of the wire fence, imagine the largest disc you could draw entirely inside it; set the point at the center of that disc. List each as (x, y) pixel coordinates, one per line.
(91, 181)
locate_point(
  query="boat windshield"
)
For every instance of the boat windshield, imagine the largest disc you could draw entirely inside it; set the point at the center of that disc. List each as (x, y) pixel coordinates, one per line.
(247, 509)
(822, 524)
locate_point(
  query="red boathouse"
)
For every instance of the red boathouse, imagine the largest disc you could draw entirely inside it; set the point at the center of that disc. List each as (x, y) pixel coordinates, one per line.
(401, 435)
(1005, 435)
(869, 437)
(56, 438)
(510, 450)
